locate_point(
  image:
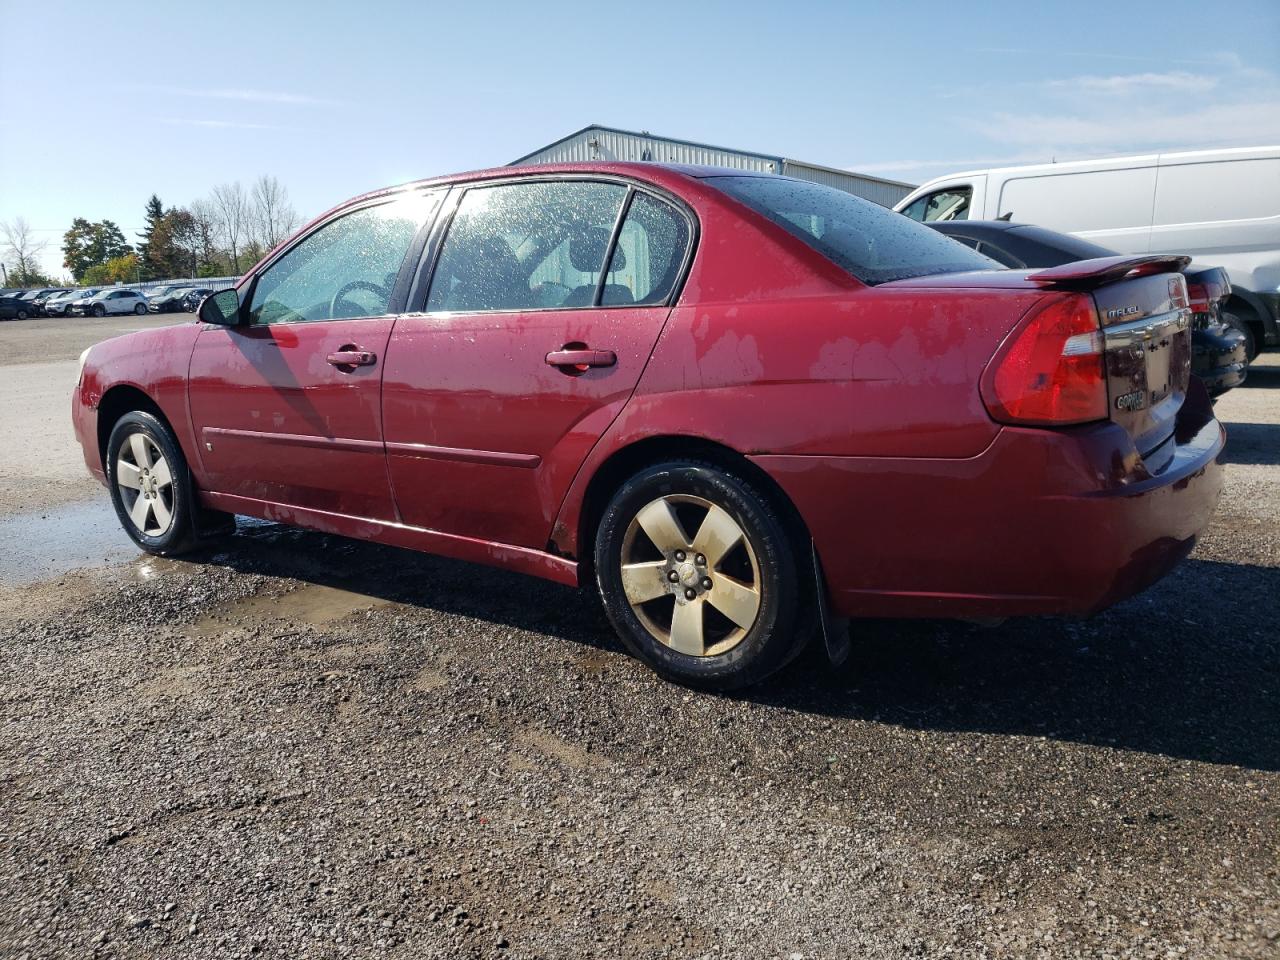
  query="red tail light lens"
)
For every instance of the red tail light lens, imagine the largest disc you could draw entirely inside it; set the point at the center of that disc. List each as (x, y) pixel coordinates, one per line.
(1050, 370)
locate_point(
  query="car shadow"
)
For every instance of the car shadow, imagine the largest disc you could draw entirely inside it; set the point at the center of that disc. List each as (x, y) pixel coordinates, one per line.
(1261, 375)
(1257, 443)
(1189, 669)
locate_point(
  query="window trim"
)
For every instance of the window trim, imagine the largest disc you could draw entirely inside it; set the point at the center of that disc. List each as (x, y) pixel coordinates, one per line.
(425, 274)
(399, 290)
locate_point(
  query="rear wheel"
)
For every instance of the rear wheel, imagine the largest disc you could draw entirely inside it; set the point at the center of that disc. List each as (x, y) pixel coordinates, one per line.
(698, 575)
(149, 484)
(1236, 322)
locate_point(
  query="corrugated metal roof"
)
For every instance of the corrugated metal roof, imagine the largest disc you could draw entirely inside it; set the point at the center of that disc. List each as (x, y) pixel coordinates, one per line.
(597, 142)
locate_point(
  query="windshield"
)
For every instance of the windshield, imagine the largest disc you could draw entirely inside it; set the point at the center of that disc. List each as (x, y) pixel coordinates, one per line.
(872, 242)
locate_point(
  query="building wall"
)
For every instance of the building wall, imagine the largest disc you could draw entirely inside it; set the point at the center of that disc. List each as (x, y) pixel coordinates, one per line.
(605, 144)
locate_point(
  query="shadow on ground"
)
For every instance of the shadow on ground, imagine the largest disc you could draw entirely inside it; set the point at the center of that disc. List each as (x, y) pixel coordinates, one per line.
(1252, 443)
(1189, 669)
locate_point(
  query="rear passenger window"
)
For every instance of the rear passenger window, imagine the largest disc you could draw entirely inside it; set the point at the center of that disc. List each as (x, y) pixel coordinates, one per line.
(526, 246)
(650, 252)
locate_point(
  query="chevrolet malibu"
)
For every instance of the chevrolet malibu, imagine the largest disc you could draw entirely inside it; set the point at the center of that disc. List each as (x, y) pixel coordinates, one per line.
(742, 407)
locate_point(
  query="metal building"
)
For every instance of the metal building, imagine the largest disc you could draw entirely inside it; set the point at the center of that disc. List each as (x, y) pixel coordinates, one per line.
(609, 143)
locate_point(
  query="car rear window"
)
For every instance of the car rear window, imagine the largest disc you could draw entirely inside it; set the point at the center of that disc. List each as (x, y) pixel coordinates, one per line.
(872, 242)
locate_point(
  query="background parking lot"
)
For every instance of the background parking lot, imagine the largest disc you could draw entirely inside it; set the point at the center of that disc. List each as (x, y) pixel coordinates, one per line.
(297, 745)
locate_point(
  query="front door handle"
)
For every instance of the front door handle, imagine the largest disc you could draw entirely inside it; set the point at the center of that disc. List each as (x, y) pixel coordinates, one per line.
(351, 356)
(582, 359)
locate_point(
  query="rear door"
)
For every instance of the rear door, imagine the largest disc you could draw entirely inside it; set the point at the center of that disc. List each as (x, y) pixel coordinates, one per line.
(286, 406)
(544, 305)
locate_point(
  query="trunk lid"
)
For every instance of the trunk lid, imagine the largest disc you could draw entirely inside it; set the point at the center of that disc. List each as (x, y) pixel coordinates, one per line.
(1143, 311)
(1146, 328)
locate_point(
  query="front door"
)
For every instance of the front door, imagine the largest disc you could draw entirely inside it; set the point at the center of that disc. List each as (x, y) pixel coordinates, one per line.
(534, 334)
(286, 407)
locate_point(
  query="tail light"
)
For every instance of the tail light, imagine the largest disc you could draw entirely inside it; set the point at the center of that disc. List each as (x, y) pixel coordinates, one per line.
(1050, 370)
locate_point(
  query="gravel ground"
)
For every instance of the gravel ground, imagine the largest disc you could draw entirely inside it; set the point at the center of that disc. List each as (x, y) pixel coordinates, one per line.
(301, 746)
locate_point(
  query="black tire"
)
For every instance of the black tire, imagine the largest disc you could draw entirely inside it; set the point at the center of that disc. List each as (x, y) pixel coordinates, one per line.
(180, 535)
(140, 309)
(771, 639)
(99, 310)
(1235, 322)
(22, 314)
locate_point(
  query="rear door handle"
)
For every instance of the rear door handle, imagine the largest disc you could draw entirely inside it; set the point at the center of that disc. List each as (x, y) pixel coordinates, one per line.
(352, 357)
(582, 358)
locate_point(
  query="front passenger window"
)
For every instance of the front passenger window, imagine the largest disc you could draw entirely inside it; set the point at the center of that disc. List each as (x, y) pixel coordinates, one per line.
(345, 269)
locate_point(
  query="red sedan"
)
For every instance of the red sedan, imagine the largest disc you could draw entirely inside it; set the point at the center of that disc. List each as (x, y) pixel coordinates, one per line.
(741, 406)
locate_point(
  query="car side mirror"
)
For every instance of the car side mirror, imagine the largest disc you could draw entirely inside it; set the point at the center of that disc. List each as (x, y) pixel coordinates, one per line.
(222, 308)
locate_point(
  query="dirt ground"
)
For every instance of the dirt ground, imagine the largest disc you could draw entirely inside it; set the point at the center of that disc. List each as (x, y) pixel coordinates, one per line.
(294, 745)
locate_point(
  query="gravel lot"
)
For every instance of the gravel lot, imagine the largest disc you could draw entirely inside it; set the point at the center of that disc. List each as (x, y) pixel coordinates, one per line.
(301, 746)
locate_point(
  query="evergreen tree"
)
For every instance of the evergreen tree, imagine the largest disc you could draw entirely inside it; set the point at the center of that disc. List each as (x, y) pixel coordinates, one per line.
(151, 268)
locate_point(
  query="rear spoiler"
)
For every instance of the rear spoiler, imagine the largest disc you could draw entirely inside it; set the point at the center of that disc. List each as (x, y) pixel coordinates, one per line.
(1091, 274)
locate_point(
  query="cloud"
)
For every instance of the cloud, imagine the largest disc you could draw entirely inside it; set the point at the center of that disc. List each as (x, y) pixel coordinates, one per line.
(906, 166)
(217, 124)
(1095, 55)
(1179, 81)
(245, 95)
(1252, 121)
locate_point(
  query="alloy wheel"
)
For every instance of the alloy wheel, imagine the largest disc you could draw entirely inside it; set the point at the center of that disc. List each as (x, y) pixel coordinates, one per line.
(698, 594)
(146, 484)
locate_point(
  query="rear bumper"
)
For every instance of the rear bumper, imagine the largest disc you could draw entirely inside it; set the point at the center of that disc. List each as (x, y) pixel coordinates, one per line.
(1218, 357)
(1041, 522)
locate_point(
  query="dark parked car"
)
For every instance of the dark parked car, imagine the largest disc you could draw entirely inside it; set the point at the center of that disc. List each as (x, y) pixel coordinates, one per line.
(191, 301)
(1218, 343)
(166, 299)
(16, 308)
(736, 405)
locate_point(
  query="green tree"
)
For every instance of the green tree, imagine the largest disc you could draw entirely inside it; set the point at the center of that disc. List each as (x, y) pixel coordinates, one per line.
(122, 269)
(152, 249)
(88, 245)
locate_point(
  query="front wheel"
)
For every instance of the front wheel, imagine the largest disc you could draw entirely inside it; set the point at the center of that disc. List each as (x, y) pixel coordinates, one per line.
(149, 484)
(22, 314)
(99, 310)
(140, 309)
(698, 575)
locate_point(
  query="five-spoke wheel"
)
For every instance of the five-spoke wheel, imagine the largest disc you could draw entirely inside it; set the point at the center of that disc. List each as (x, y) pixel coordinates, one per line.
(146, 484)
(147, 477)
(698, 574)
(712, 577)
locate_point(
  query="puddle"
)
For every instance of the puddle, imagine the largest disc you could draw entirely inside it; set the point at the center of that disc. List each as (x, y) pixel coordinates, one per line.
(311, 604)
(48, 543)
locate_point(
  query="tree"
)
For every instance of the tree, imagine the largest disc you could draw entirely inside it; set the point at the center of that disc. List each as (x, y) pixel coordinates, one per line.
(232, 212)
(116, 270)
(152, 259)
(22, 254)
(273, 216)
(184, 235)
(88, 245)
(204, 217)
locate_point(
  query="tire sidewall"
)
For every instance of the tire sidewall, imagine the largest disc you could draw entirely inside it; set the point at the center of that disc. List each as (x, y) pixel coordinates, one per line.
(99, 311)
(180, 534)
(766, 646)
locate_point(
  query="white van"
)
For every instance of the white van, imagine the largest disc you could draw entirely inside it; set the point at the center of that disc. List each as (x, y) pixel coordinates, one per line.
(1220, 206)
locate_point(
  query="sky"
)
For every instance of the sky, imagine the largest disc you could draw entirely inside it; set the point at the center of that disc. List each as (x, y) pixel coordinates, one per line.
(107, 103)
